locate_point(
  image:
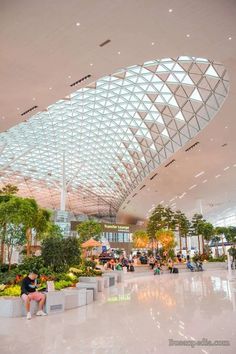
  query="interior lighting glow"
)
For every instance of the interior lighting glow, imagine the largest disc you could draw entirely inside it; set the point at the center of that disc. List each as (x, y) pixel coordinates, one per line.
(199, 174)
(128, 116)
(226, 168)
(193, 186)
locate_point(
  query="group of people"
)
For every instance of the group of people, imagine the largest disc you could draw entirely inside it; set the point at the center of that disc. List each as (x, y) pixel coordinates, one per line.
(157, 263)
(120, 263)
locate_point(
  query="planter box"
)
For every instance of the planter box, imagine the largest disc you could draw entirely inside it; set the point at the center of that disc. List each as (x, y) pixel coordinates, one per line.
(120, 276)
(74, 298)
(98, 280)
(112, 278)
(55, 302)
(89, 296)
(214, 265)
(90, 286)
(14, 307)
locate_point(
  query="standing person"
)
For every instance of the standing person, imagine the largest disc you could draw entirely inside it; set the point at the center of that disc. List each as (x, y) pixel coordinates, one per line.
(151, 262)
(28, 293)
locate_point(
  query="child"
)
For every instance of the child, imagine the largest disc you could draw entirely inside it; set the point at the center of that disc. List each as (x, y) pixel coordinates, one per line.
(157, 268)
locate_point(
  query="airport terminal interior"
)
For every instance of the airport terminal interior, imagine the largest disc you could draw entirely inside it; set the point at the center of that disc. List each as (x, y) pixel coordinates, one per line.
(117, 176)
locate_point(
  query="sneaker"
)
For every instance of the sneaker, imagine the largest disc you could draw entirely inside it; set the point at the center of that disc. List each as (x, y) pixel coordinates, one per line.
(28, 316)
(41, 313)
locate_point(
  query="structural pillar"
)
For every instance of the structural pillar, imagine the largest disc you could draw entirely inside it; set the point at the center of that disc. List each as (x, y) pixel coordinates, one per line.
(63, 184)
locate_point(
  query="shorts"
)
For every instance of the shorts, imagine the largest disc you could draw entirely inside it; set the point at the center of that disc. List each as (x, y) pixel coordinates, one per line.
(36, 296)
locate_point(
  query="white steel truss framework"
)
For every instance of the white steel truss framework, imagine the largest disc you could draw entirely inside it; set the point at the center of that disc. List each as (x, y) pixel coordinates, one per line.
(113, 133)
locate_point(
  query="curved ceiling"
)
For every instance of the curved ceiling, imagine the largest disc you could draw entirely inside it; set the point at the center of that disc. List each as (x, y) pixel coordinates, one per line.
(113, 133)
(47, 46)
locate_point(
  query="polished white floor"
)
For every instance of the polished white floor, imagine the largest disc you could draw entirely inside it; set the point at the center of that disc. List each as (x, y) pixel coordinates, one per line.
(139, 316)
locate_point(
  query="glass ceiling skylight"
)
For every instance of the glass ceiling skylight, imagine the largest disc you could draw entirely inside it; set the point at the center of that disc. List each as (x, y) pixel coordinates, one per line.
(113, 133)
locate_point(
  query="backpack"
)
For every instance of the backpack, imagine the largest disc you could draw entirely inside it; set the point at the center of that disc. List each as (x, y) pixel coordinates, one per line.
(131, 268)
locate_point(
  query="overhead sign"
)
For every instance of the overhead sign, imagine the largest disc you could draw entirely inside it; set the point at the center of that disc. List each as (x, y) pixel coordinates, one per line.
(115, 228)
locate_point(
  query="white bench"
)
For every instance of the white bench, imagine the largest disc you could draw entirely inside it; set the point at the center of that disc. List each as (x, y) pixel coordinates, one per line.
(74, 297)
(90, 286)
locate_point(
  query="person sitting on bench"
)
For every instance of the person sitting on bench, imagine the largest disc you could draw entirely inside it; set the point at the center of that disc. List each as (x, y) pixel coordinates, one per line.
(189, 266)
(28, 293)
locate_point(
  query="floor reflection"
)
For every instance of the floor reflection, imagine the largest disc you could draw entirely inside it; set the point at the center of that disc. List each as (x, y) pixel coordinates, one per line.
(138, 316)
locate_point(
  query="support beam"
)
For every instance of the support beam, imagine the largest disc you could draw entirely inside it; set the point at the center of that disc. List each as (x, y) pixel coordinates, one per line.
(15, 159)
(63, 185)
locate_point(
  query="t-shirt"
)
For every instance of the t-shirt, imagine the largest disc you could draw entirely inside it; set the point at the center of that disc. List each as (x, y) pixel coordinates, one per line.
(28, 286)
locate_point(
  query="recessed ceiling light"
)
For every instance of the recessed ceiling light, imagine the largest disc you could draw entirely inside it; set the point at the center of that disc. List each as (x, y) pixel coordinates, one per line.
(69, 77)
(153, 43)
(200, 174)
(170, 10)
(34, 98)
(193, 186)
(18, 108)
(229, 38)
(187, 35)
(118, 53)
(77, 24)
(226, 127)
(50, 88)
(91, 64)
(211, 139)
(3, 117)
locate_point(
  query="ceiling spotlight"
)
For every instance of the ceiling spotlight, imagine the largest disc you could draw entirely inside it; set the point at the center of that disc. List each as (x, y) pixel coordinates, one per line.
(187, 35)
(229, 38)
(118, 53)
(77, 24)
(170, 10)
(226, 127)
(153, 43)
(34, 98)
(18, 108)
(91, 64)
(50, 88)
(69, 77)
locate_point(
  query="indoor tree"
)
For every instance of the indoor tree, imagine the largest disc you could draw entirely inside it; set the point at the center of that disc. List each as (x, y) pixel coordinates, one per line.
(207, 231)
(28, 212)
(161, 218)
(216, 239)
(89, 229)
(15, 236)
(221, 231)
(196, 228)
(5, 194)
(183, 226)
(166, 238)
(140, 239)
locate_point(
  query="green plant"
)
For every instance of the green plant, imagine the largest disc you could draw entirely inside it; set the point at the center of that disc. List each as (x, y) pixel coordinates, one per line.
(61, 284)
(88, 229)
(31, 263)
(71, 250)
(13, 290)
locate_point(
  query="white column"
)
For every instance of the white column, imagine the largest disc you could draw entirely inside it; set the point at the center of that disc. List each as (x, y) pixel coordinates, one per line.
(63, 184)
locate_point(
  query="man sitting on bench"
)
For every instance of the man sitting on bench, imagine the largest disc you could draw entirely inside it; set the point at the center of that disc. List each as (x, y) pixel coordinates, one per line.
(28, 293)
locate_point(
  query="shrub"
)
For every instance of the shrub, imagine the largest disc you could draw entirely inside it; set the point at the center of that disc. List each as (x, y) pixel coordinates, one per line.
(61, 284)
(13, 290)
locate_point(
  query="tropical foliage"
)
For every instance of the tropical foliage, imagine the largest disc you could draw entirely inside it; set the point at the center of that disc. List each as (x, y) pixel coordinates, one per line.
(89, 229)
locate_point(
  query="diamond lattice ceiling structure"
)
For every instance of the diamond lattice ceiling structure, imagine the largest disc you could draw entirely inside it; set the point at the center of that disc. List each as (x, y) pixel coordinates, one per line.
(112, 133)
